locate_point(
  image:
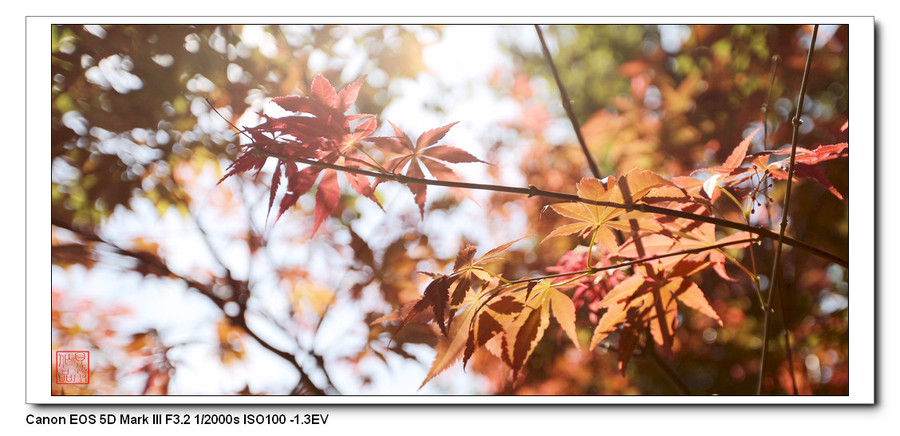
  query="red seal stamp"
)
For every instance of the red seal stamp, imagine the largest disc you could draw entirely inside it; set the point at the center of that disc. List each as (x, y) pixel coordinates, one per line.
(73, 367)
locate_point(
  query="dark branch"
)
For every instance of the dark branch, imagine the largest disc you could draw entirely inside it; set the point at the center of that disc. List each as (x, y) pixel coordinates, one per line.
(204, 289)
(776, 265)
(666, 370)
(533, 191)
(567, 105)
(634, 262)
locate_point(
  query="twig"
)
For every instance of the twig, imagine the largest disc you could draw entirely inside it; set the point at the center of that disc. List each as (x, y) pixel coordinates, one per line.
(204, 289)
(789, 355)
(765, 105)
(776, 270)
(567, 105)
(633, 262)
(533, 191)
(666, 370)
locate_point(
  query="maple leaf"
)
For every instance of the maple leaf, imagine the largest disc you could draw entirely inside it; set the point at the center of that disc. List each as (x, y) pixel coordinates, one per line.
(542, 300)
(600, 221)
(321, 131)
(589, 290)
(682, 234)
(805, 163)
(466, 270)
(424, 155)
(451, 347)
(492, 321)
(733, 163)
(731, 173)
(643, 301)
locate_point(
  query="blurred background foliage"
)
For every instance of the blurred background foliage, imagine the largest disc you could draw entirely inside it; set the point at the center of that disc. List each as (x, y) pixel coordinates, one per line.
(674, 99)
(131, 124)
(129, 101)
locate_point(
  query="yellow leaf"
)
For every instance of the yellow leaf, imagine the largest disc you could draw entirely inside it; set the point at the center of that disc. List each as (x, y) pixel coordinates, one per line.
(450, 349)
(564, 312)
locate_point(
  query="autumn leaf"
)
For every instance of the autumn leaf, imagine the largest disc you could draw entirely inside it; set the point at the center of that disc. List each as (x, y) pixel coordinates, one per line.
(320, 131)
(731, 173)
(728, 173)
(422, 156)
(806, 164)
(466, 270)
(543, 299)
(492, 321)
(735, 159)
(643, 301)
(600, 221)
(451, 347)
(682, 234)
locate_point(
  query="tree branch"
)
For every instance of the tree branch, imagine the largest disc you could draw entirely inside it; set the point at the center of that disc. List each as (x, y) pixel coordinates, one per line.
(633, 262)
(666, 369)
(776, 270)
(789, 355)
(532, 191)
(204, 289)
(567, 105)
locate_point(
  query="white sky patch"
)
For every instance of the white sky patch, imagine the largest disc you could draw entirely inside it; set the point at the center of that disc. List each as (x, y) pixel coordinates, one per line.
(671, 36)
(465, 53)
(257, 37)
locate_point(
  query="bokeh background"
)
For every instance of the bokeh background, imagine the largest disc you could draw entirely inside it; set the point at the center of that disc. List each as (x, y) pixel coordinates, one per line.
(179, 285)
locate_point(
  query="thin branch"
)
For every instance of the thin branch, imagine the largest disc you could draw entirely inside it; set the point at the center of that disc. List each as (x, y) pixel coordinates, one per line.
(204, 289)
(666, 369)
(648, 353)
(634, 262)
(567, 105)
(532, 191)
(789, 355)
(765, 105)
(241, 294)
(776, 270)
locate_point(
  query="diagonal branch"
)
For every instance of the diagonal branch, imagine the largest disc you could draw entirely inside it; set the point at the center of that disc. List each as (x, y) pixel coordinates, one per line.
(666, 369)
(532, 191)
(205, 289)
(567, 105)
(776, 270)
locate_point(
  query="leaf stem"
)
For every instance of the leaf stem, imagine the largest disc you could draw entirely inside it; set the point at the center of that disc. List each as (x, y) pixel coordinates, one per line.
(567, 104)
(753, 275)
(590, 253)
(776, 270)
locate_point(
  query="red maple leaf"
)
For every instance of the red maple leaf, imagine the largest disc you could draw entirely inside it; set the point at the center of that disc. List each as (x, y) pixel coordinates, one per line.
(805, 163)
(422, 156)
(317, 130)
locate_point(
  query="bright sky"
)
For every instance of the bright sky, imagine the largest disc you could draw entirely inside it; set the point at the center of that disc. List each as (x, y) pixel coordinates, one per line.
(464, 59)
